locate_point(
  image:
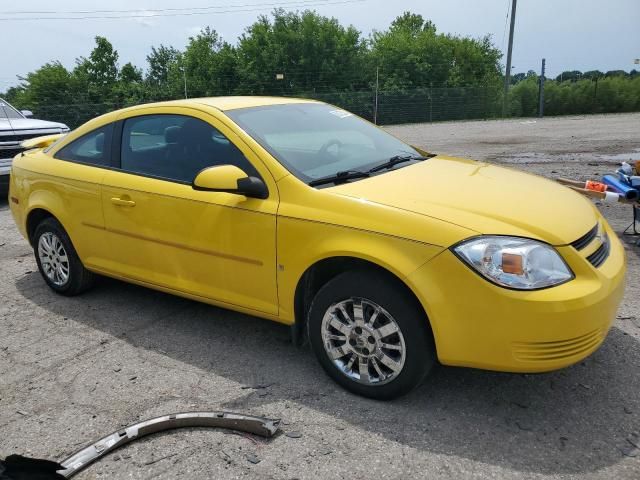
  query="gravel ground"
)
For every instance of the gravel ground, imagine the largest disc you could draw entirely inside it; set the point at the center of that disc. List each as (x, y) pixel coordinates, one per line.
(74, 369)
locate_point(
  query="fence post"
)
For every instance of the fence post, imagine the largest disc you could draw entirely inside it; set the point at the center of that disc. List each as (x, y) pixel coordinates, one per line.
(484, 103)
(430, 104)
(375, 106)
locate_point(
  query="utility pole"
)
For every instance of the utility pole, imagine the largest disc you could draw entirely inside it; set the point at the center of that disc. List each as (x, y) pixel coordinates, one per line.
(541, 92)
(375, 107)
(507, 74)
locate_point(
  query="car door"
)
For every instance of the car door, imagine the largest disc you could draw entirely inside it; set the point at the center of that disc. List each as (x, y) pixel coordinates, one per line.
(215, 245)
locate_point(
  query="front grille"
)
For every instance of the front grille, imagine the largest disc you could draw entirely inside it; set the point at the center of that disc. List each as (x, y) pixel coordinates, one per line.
(598, 257)
(19, 137)
(551, 351)
(10, 152)
(586, 239)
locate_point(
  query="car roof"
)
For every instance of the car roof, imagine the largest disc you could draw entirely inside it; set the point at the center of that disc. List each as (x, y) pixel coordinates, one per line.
(232, 102)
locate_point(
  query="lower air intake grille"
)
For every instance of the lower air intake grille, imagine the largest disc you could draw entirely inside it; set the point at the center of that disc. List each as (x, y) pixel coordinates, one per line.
(598, 257)
(550, 351)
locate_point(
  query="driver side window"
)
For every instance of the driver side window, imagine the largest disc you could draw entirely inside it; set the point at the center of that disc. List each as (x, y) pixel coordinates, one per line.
(176, 147)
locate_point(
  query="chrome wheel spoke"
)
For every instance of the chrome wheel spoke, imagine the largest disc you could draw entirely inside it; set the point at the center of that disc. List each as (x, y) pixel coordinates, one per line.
(350, 363)
(373, 317)
(338, 325)
(374, 362)
(338, 352)
(388, 362)
(337, 338)
(345, 314)
(390, 346)
(363, 369)
(386, 330)
(358, 314)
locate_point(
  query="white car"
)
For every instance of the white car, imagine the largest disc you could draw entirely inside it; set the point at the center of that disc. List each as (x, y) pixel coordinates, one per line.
(15, 127)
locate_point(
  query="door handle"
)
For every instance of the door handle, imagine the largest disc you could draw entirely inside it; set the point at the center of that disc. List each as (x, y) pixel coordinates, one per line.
(121, 202)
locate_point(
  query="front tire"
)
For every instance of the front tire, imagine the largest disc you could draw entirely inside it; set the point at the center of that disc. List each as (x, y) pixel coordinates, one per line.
(371, 335)
(58, 261)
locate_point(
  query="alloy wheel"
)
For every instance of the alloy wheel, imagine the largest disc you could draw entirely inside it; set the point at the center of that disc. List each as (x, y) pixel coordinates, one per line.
(53, 258)
(363, 341)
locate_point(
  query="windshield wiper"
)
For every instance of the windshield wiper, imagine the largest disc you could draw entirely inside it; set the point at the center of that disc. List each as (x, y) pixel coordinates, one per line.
(339, 177)
(395, 160)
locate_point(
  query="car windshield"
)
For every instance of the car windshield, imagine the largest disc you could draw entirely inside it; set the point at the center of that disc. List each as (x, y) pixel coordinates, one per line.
(8, 112)
(315, 140)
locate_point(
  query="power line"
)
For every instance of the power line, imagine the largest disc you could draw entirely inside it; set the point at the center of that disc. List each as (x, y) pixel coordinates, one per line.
(236, 9)
(137, 10)
(506, 20)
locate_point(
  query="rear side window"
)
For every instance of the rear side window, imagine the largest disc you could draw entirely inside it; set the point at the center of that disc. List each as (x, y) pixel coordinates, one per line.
(176, 147)
(93, 148)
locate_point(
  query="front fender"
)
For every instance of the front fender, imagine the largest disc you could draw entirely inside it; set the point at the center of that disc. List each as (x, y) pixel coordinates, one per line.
(302, 244)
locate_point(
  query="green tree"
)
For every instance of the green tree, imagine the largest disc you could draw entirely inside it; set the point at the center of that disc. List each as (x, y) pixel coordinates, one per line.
(569, 76)
(130, 73)
(100, 70)
(592, 74)
(96, 78)
(412, 54)
(210, 65)
(160, 62)
(314, 53)
(50, 91)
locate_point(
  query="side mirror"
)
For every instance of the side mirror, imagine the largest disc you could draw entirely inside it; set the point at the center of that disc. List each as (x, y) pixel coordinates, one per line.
(26, 113)
(230, 179)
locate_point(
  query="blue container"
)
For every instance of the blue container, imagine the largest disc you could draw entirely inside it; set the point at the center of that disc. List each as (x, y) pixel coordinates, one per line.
(620, 187)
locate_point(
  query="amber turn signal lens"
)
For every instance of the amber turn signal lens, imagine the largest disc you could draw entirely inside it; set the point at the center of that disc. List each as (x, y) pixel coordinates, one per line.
(512, 263)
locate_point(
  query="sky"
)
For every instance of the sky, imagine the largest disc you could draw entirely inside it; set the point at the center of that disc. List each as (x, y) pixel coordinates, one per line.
(570, 34)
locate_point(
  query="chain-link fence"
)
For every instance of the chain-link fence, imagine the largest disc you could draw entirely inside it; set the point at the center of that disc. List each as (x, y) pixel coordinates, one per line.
(383, 107)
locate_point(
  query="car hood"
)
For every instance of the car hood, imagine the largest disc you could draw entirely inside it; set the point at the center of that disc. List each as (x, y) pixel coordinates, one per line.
(29, 124)
(482, 197)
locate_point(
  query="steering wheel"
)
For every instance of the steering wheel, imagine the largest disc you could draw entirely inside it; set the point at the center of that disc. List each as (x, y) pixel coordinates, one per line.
(324, 150)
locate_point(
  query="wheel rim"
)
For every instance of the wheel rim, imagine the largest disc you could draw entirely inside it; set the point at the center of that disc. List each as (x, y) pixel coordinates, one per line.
(53, 258)
(363, 341)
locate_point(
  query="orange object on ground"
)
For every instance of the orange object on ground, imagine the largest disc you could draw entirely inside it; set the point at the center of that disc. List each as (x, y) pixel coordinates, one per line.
(595, 186)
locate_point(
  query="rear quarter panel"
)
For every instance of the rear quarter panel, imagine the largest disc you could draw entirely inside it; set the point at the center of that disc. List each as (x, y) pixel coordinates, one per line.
(68, 191)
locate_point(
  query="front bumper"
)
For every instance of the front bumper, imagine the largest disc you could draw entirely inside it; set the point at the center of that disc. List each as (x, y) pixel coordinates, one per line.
(478, 324)
(4, 178)
(5, 166)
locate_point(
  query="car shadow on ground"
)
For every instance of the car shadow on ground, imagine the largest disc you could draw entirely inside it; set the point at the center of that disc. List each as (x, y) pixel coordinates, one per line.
(573, 421)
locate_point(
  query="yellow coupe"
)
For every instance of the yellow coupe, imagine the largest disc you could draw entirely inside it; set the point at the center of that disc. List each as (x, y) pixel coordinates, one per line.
(383, 256)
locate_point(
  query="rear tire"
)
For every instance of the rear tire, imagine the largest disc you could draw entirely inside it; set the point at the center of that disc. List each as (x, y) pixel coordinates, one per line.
(371, 335)
(58, 260)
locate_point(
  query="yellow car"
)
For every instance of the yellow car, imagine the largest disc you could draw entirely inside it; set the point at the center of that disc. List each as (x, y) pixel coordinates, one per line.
(383, 256)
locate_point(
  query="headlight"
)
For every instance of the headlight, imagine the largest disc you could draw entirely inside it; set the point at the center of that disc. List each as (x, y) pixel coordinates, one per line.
(513, 262)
